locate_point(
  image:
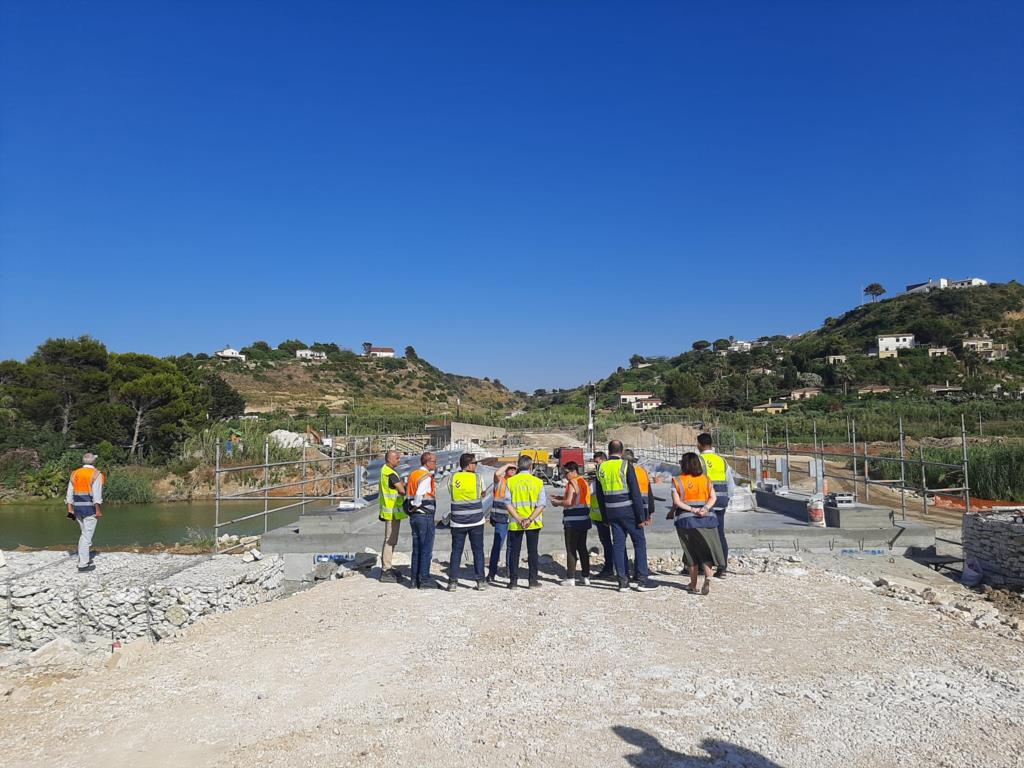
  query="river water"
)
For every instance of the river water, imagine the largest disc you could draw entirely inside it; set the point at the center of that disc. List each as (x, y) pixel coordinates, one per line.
(44, 525)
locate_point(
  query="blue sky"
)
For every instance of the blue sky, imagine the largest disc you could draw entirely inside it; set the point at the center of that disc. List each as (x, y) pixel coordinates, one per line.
(532, 190)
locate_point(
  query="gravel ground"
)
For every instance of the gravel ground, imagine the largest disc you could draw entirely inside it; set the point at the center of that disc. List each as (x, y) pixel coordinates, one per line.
(784, 664)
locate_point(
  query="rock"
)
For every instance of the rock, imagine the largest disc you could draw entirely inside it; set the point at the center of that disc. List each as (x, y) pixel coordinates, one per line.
(401, 558)
(343, 572)
(256, 554)
(247, 557)
(176, 615)
(59, 651)
(325, 570)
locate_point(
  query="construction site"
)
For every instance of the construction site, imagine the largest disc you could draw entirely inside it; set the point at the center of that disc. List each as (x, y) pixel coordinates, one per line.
(843, 635)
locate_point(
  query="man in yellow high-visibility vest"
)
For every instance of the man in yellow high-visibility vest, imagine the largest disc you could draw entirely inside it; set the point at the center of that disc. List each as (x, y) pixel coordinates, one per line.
(391, 496)
(721, 477)
(622, 506)
(525, 503)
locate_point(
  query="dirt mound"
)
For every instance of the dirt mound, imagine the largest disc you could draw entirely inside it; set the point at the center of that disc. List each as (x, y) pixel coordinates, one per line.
(655, 437)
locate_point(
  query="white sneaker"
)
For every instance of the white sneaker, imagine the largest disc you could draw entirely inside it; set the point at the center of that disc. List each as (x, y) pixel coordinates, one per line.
(568, 582)
(585, 582)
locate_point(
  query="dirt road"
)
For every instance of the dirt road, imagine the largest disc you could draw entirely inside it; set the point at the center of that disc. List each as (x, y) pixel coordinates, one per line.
(793, 668)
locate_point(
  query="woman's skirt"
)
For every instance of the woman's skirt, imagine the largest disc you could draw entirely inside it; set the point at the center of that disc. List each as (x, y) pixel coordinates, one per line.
(701, 546)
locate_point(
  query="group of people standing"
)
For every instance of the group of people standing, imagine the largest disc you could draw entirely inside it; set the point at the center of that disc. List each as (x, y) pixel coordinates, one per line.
(619, 504)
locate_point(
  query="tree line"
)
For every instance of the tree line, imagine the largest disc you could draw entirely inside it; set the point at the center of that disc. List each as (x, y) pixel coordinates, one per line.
(73, 393)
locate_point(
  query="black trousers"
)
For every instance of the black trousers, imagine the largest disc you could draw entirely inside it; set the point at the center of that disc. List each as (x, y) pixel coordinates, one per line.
(515, 547)
(576, 547)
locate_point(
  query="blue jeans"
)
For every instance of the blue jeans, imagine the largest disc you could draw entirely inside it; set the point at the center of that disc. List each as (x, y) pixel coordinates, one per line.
(422, 527)
(500, 540)
(624, 525)
(476, 543)
(604, 533)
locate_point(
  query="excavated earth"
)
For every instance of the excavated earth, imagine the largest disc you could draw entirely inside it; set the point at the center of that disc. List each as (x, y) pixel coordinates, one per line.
(784, 664)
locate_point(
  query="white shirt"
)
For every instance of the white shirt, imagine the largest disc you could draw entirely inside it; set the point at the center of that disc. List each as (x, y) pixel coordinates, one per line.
(422, 489)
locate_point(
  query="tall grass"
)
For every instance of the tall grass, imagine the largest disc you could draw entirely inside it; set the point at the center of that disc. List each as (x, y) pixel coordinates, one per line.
(129, 485)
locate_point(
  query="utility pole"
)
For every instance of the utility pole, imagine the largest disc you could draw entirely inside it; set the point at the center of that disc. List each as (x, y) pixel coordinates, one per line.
(591, 403)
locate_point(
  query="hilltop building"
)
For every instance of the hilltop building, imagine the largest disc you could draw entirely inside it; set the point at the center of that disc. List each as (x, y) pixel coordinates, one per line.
(229, 354)
(986, 347)
(835, 359)
(938, 352)
(874, 389)
(381, 352)
(889, 345)
(770, 407)
(310, 354)
(805, 393)
(632, 397)
(943, 283)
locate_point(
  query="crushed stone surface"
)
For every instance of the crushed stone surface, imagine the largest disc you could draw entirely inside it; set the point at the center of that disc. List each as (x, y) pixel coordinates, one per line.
(784, 664)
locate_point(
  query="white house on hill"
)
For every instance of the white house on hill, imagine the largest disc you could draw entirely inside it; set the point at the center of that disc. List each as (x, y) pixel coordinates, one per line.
(229, 354)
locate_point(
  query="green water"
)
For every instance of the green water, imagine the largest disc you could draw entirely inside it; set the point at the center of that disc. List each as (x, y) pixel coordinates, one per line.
(43, 525)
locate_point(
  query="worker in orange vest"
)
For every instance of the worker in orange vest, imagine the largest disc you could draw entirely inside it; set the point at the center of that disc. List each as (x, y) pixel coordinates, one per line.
(84, 500)
(421, 506)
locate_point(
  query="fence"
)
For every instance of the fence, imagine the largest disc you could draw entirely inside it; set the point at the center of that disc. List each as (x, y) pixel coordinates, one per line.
(849, 465)
(334, 473)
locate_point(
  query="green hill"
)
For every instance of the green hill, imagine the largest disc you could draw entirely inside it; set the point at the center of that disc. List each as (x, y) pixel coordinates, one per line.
(711, 376)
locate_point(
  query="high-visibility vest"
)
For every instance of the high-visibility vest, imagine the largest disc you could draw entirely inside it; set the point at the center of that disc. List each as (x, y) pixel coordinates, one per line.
(644, 481)
(81, 488)
(578, 515)
(611, 475)
(499, 514)
(595, 508)
(429, 505)
(716, 470)
(694, 491)
(524, 492)
(467, 500)
(390, 499)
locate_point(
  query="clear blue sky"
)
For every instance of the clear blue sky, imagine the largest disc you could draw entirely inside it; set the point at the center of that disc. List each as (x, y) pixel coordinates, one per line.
(481, 180)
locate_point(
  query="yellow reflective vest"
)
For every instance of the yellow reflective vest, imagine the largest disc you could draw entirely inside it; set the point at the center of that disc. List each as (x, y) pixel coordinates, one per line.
(390, 500)
(524, 495)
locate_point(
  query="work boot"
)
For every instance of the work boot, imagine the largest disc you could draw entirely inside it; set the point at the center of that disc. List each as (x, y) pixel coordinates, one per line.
(623, 586)
(534, 583)
(86, 568)
(605, 573)
(720, 573)
(388, 577)
(453, 584)
(645, 586)
(481, 585)
(513, 584)
(492, 580)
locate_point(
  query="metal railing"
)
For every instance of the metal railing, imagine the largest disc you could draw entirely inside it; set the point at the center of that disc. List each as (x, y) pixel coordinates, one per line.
(345, 470)
(848, 464)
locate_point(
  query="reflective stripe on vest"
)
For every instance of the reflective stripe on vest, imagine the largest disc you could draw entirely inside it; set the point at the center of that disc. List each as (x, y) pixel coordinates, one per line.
(390, 499)
(498, 512)
(578, 515)
(81, 488)
(429, 504)
(524, 491)
(467, 504)
(612, 477)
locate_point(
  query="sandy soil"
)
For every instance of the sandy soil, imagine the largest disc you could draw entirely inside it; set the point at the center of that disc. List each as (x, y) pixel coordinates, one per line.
(790, 667)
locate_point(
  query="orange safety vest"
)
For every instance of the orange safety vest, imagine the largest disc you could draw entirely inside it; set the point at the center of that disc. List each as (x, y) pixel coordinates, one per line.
(642, 479)
(81, 489)
(693, 488)
(429, 501)
(582, 492)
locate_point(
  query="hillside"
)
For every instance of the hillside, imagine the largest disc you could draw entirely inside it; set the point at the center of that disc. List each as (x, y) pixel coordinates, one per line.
(346, 379)
(710, 375)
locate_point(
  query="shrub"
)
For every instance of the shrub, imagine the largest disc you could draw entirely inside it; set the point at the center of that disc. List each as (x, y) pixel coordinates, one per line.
(16, 465)
(129, 487)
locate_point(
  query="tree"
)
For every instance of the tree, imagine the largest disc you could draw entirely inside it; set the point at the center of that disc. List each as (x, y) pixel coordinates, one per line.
(721, 344)
(810, 379)
(367, 346)
(635, 361)
(701, 345)
(874, 290)
(682, 390)
(64, 377)
(158, 395)
(224, 400)
(410, 353)
(292, 345)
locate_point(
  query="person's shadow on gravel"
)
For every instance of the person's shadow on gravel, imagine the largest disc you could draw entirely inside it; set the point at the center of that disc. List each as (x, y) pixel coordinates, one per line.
(719, 753)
